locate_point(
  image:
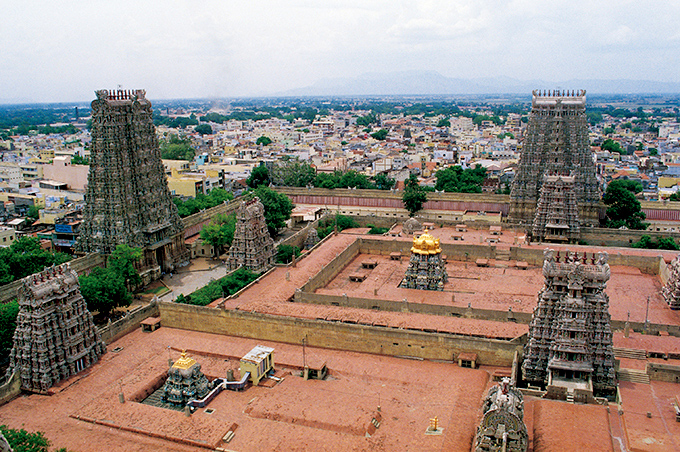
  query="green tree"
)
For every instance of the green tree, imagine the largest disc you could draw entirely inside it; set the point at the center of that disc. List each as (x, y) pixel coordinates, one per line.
(293, 173)
(380, 134)
(219, 232)
(33, 212)
(382, 182)
(122, 262)
(204, 129)
(25, 257)
(277, 208)
(175, 148)
(457, 180)
(8, 323)
(612, 146)
(285, 253)
(22, 441)
(444, 122)
(104, 290)
(78, 160)
(623, 208)
(259, 176)
(264, 141)
(414, 196)
(653, 152)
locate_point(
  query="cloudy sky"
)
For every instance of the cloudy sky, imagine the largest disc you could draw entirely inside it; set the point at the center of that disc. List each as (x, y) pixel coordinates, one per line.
(63, 50)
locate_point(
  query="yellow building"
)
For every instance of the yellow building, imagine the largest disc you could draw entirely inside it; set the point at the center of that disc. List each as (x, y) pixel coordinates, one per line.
(182, 185)
(259, 361)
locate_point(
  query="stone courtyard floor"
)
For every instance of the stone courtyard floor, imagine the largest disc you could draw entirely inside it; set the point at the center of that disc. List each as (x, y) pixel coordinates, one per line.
(85, 414)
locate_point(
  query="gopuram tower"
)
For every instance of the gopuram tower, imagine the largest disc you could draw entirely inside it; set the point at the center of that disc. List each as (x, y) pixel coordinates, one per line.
(556, 144)
(570, 337)
(252, 247)
(426, 269)
(127, 199)
(55, 336)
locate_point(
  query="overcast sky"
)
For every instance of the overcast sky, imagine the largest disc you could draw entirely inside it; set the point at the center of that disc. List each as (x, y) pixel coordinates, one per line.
(64, 50)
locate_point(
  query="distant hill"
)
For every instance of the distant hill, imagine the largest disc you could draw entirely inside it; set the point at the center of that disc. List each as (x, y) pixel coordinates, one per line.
(433, 83)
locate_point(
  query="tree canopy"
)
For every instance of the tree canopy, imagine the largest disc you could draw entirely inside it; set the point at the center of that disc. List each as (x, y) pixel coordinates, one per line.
(380, 134)
(25, 257)
(612, 146)
(219, 232)
(293, 173)
(264, 141)
(414, 195)
(623, 208)
(193, 205)
(458, 180)
(204, 129)
(225, 286)
(277, 208)
(21, 440)
(8, 323)
(259, 176)
(175, 148)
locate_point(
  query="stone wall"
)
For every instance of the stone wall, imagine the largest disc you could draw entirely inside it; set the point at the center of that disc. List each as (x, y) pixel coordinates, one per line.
(194, 223)
(127, 324)
(10, 388)
(337, 335)
(82, 265)
(298, 239)
(663, 372)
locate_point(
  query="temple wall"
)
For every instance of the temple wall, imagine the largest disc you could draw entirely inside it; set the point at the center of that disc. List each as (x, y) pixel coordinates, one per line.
(10, 388)
(194, 223)
(82, 265)
(129, 323)
(663, 372)
(337, 335)
(298, 239)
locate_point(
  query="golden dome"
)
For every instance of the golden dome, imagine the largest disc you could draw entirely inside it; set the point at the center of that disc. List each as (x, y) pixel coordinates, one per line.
(184, 362)
(426, 244)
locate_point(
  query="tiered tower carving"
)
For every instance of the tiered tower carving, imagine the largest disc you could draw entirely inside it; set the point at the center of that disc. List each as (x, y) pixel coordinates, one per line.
(185, 382)
(556, 216)
(502, 427)
(311, 239)
(570, 337)
(55, 336)
(556, 143)
(252, 247)
(426, 269)
(671, 290)
(127, 199)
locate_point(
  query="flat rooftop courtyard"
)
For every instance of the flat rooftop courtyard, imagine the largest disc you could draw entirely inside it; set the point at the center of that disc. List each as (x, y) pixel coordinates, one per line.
(293, 414)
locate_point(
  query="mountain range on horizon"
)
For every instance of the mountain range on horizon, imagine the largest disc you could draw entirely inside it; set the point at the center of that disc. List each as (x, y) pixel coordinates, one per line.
(433, 83)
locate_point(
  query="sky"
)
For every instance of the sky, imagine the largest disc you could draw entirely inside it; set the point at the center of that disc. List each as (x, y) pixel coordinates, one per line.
(62, 51)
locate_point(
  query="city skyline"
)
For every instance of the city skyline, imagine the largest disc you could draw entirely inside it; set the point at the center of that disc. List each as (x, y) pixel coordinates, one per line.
(60, 52)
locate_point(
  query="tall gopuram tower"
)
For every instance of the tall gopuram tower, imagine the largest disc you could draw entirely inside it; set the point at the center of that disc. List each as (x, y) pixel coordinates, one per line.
(556, 143)
(570, 337)
(252, 247)
(556, 218)
(127, 199)
(55, 336)
(426, 269)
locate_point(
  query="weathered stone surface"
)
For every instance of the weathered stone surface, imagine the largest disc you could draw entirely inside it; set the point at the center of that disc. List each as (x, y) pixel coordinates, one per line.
(127, 200)
(55, 336)
(671, 290)
(311, 239)
(557, 217)
(502, 426)
(185, 382)
(252, 247)
(556, 143)
(570, 334)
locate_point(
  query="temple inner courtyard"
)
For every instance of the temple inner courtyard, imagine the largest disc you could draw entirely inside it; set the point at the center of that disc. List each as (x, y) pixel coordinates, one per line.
(346, 291)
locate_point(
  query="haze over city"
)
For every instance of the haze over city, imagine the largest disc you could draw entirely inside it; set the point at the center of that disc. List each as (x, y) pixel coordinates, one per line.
(63, 51)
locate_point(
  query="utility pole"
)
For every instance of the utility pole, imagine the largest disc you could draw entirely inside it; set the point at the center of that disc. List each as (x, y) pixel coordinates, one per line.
(647, 313)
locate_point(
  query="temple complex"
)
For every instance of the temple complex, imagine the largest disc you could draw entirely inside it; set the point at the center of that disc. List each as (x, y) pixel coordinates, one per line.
(311, 239)
(556, 143)
(671, 290)
(55, 337)
(127, 199)
(556, 216)
(502, 427)
(570, 338)
(185, 382)
(252, 247)
(426, 269)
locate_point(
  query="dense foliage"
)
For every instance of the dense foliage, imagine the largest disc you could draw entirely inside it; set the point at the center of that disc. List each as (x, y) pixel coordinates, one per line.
(285, 253)
(623, 208)
(327, 225)
(220, 232)
(8, 323)
(293, 173)
(22, 441)
(179, 122)
(380, 134)
(175, 148)
(414, 195)
(376, 230)
(25, 257)
(203, 129)
(663, 243)
(225, 286)
(458, 180)
(259, 176)
(200, 202)
(277, 208)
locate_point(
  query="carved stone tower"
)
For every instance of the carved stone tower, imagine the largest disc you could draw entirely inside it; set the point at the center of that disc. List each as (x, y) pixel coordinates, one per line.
(556, 216)
(556, 143)
(252, 247)
(127, 198)
(426, 269)
(570, 337)
(55, 336)
(671, 290)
